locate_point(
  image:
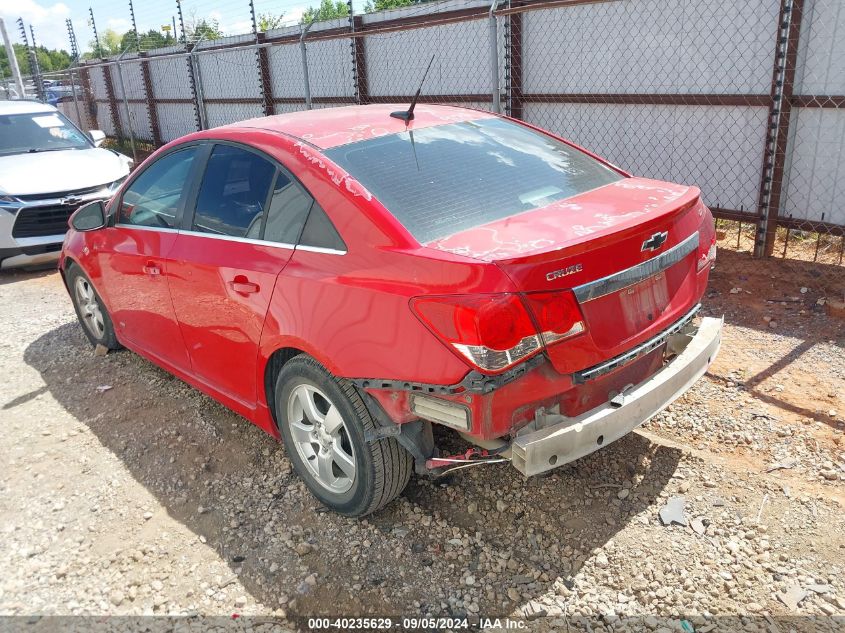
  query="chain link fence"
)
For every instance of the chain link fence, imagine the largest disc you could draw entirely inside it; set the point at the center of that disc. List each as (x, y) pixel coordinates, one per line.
(744, 99)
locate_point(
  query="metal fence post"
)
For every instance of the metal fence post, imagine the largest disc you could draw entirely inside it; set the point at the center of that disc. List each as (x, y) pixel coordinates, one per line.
(774, 160)
(75, 98)
(126, 110)
(305, 79)
(88, 95)
(196, 87)
(359, 62)
(266, 81)
(115, 117)
(200, 96)
(513, 62)
(13, 61)
(494, 57)
(152, 108)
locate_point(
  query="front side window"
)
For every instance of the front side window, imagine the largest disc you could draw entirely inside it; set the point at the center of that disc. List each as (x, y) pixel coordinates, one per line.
(442, 180)
(233, 193)
(153, 197)
(39, 132)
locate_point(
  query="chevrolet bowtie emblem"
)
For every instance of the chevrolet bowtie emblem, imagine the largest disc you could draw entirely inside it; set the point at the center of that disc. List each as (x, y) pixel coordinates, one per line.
(655, 241)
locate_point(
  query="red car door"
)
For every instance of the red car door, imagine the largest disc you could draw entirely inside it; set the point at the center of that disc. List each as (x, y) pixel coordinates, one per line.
(236, 238)
(133, 258)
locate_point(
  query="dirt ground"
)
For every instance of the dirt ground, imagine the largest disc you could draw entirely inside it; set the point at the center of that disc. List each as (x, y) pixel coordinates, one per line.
(126, 492)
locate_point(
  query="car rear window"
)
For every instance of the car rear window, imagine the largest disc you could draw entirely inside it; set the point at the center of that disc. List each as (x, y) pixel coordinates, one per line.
(441, 180)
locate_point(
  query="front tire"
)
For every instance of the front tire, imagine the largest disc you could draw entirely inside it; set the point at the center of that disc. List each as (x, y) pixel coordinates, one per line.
(92, 314)
(323, 422)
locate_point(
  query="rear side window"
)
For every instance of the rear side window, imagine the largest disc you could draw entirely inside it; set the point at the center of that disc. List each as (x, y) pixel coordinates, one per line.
(441, 180)
(320, 232)
(234, 192)
(288, 210)
(153, 197)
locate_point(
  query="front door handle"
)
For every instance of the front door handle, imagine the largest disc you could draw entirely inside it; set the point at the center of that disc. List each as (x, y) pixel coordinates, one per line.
(151, 268)
(243, 285)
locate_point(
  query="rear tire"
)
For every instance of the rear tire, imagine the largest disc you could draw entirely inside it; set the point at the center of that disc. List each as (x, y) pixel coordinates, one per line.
(323, 421)
(90, 310)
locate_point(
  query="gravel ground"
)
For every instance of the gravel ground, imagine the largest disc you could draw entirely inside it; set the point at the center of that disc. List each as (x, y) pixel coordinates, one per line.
(125, 491)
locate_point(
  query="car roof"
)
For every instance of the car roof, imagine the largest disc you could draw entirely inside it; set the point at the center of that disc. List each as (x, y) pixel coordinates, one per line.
(330, 127)
(24, 106)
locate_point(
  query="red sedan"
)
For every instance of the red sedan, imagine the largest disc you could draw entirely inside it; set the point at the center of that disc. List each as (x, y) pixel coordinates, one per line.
(344, 278)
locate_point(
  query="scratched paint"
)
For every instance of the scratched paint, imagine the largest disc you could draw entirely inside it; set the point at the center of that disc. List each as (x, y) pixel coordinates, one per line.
(340, 178)
(565, 222)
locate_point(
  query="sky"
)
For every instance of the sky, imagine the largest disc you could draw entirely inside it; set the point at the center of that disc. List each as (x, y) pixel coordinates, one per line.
(47, 17)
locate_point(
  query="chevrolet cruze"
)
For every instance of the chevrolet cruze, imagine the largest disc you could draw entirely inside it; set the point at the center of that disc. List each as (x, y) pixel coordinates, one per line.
(346, 278)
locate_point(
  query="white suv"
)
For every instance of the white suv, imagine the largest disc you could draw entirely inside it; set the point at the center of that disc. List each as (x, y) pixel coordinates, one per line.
(48, 168)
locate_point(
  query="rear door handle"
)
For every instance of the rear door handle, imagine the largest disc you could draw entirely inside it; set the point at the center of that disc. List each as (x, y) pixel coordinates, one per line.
(151, 268)
(243, 285)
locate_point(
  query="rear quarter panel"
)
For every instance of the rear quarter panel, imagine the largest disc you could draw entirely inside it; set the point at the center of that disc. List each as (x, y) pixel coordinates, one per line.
(351, 311)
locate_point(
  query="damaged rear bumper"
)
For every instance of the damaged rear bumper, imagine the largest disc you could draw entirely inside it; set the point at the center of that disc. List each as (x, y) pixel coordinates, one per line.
(553, 440)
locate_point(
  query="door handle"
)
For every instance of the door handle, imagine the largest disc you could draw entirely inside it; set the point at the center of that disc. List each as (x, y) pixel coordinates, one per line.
(151, 268)
(243, 285)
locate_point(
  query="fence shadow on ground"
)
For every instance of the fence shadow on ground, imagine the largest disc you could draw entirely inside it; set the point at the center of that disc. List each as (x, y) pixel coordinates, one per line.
(190, 452)
(751, 293)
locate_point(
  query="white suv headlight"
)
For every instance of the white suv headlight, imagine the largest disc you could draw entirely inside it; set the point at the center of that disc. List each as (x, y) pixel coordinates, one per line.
(9, 203)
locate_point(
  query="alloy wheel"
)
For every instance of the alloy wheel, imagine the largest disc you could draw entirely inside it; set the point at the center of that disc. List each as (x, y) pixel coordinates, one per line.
(89, 307)
(321, 438)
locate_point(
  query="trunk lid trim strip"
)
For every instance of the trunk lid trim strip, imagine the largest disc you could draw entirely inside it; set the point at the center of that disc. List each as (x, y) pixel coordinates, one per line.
(635, 274)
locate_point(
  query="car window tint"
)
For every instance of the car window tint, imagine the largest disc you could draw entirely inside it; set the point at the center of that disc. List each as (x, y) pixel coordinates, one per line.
(288, 210)
(233, 193)
(441, 180)
(153, 198)
(320, 232)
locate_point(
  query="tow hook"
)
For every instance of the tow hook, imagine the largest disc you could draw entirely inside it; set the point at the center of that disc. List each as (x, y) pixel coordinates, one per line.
(617, 400)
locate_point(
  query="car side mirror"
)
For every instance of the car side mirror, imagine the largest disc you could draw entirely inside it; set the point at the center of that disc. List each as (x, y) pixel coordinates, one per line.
(98, 136)
(89, 217)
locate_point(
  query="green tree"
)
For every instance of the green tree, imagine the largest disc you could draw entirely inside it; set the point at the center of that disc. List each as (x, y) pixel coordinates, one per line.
(48, 60)
(269, 21)
(328, 10)
(203, 29)
(128, 40)
(148, 41)
(381, 5)
(110, 42)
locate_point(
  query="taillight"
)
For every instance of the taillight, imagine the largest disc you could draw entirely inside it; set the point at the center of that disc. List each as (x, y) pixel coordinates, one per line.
(707, 259)
(495, 332)
(557, 313)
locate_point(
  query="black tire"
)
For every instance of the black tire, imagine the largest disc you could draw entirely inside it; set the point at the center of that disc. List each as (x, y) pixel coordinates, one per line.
(107, 336)
(382, 467)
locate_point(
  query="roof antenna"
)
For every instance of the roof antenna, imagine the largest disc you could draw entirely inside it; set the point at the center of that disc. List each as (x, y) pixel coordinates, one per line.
(407, 115)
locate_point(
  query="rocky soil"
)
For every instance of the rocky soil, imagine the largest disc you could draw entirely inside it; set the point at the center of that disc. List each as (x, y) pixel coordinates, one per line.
(126, 492)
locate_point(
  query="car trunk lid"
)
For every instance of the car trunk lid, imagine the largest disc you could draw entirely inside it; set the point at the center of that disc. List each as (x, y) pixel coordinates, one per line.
(627, 250)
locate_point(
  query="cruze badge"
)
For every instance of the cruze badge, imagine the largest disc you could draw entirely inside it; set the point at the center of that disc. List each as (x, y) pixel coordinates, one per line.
(655, 241)
(563, 272)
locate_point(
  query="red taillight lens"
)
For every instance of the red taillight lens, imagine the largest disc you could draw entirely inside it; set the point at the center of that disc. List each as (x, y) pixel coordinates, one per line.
(557, 313)
(495, 332)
